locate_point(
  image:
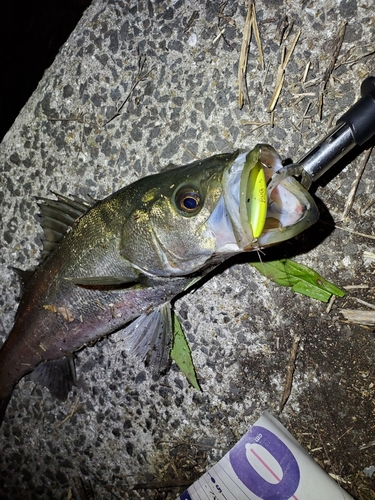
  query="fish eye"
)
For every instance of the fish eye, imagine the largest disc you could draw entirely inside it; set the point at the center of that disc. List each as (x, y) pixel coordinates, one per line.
(188, 201)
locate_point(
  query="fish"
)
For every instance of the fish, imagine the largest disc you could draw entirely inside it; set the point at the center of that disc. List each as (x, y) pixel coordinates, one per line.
(117, 265)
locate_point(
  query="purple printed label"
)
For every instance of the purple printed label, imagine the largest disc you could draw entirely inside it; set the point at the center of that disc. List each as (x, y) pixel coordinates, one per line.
(185, 496)
(285, 484)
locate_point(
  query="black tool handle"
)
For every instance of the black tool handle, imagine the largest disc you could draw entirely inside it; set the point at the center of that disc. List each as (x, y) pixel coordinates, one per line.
(355, 127)
(361, 116)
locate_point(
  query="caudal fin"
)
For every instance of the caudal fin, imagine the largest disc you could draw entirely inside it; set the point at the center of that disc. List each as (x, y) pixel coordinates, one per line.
(3, 405)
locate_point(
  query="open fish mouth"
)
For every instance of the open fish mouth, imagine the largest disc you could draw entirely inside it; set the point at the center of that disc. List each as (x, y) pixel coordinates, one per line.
(254, 212)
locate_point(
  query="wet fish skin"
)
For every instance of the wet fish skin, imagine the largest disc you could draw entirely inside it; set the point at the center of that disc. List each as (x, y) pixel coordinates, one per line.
(128, 255)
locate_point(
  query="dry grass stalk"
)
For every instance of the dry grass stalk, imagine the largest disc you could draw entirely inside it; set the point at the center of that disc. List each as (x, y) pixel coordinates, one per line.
(281, 28)
(306, 71)
(250, 25)
(364, 303)
(331, 66)
(266, 73)
(244, 55)
(191, 21)
(289, 376)
(247, 122)
(76, 407)
(281, 72)
(364, 235)
(368, 445)
(330, 303)
(272, 119)
(359, 317)
(358, 175)
(356, 287)
(350, 58)
(141, 76)
(368, 255)
(221, 33)
(335, 55)
(257, 37)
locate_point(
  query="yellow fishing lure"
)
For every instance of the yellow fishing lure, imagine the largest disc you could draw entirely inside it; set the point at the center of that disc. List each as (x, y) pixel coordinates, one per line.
(257, 200)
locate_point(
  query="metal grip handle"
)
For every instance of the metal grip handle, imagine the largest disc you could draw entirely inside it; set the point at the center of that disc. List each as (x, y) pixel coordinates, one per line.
(356, 126)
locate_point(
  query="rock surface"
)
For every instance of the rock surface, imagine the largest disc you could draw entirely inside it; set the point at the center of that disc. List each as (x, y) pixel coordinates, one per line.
(122, 428)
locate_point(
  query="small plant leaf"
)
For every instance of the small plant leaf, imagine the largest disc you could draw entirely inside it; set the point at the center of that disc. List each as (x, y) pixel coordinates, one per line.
(181, 354)
(299, 278)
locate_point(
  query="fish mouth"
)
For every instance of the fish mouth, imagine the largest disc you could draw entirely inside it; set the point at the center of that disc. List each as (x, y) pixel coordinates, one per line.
(254, 212)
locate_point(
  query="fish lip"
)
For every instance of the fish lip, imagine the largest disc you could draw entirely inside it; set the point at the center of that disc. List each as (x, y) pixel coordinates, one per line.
(289, 206)
(289, 202)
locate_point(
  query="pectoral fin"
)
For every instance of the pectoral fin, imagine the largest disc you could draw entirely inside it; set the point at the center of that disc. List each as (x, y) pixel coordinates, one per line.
(58, 375)
(150, 337)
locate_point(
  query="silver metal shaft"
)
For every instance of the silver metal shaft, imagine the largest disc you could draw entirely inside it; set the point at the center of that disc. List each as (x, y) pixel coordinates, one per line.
(329, 151)
(355, 127)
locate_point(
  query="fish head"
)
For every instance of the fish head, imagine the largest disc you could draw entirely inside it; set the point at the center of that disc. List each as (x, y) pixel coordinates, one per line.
(187, 218)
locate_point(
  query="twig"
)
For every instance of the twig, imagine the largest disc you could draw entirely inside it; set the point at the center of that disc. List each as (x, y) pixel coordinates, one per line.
(368, 445)
(364, 303)
(191, 21)
(281, 28)
(266, 73)
(221, 33)
(164, 485)
(335, 55)
(246, 122)
(331, 66)
(345, 59)
(359, 317)
(259, 125)
(190, 152)
(357, 179)
(356, 287)
(306, 71)
(368, 255)
(257, 37)
(369, 204)
(363, 235)
(342, 435)
(78, 119)
(370, 236)
(289, 376)
(330, 303)
(242, 66)
(142, 74)
(281, 72)
(224, 17)
(76, 407)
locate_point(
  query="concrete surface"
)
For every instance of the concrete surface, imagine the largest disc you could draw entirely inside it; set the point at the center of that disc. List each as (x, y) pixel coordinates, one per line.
(128, 428)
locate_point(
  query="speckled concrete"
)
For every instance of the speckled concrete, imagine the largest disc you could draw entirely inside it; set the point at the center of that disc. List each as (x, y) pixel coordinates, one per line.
(130, 428)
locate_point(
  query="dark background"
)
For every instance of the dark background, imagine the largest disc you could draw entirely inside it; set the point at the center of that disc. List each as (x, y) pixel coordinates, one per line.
(31, 34)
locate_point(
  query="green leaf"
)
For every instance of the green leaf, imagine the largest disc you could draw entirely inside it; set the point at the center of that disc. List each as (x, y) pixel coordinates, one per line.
(181, 354)
(300, 278)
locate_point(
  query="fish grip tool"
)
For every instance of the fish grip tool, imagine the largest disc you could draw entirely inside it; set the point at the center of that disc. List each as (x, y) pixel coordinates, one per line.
(354, 128)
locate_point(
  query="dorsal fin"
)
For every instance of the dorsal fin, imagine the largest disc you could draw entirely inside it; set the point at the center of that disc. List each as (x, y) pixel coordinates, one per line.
(170, 166)
(24, 276)
(57, 217)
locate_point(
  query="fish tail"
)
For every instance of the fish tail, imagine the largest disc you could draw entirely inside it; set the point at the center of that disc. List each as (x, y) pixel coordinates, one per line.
(4, 404)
